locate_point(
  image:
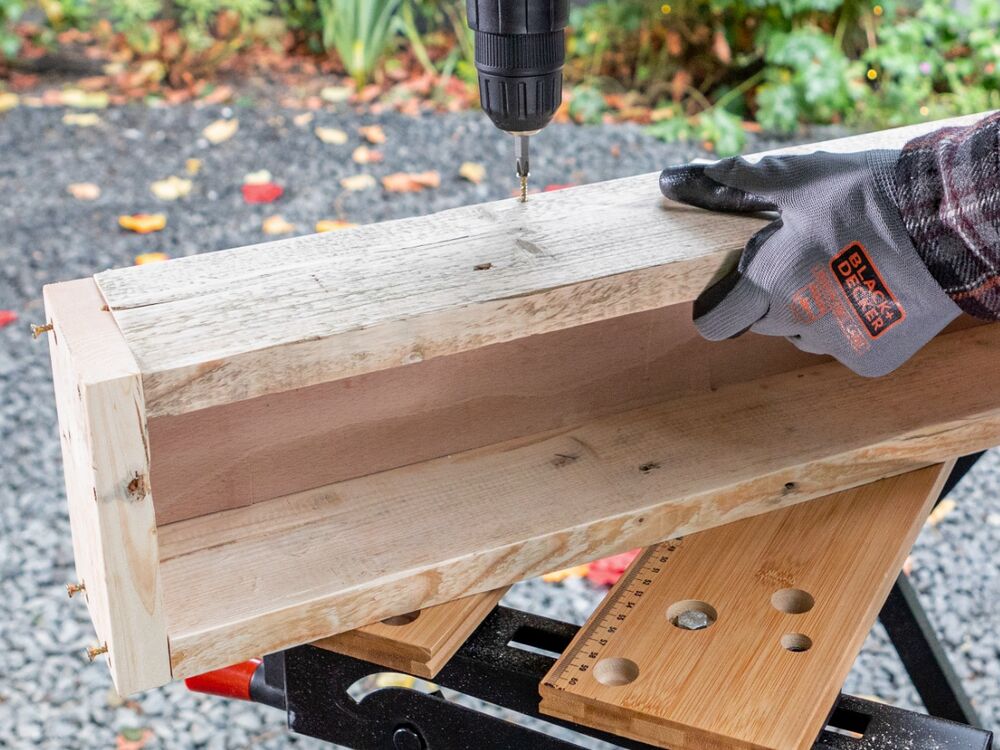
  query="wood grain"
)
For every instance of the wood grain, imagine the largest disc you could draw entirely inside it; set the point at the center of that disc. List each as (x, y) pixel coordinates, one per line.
(844, 551)
(420, 642)
(102, 430)
(226, 326)
(335, 558)
(238, 454)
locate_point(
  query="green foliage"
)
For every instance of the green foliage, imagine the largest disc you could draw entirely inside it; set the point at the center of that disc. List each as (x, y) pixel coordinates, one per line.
(360, 31)
(716, 127)
(937, 62)
(10, 12)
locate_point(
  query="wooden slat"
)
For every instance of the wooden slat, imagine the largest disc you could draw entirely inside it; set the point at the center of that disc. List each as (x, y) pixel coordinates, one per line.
(226, 326)
(335, 558)
(103, 434)
(736, 684)
(418, 643)
(289, 442)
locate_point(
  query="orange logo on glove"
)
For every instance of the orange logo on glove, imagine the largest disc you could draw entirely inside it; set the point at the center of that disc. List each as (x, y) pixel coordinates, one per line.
(861, 282)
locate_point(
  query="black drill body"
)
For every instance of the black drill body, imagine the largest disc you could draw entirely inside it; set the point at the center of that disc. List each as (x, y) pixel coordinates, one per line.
(520, 51)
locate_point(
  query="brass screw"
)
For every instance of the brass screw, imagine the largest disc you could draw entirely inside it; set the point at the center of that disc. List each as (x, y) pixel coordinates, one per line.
(75, 588)
(94, 651)
(37, 330)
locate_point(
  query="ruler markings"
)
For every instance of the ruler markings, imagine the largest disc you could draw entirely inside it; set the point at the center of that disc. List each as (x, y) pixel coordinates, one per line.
(618, 605)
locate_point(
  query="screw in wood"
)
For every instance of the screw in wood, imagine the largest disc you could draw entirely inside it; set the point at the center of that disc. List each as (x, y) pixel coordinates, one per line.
(94, 651)
(37, 330)
(75, 588)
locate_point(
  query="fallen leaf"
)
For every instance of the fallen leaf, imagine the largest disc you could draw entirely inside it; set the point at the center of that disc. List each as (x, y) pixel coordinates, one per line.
(333, 225)
(607, 571)
(84, 191)
(365, 155)
(331, 135)
(8, 100)
(7, 317)
(85, 99)
(133, 739)
(193, 166)
(218, 95)
(264, 192)
(82, 119)
(171, 188)
(358, 182)
(473, 172)
(259, 177)
(557, 186)
(221, 130)
(303, 119)
(373, 134)
(277, 225)
(579, 571)
(943, 509)
(411, 182)
(144, 258)
(335, 94)
(143, 223)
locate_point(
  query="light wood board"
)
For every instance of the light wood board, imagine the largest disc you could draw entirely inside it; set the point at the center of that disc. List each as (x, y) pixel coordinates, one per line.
(765, 674)
(417, 643)
(221, 327)
(103, 434)
(242, 453)
(338, 557)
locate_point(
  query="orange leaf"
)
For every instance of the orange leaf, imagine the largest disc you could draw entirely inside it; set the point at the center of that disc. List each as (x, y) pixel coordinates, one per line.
(143, 223)
(365, 155)
(411, 182)
(277, 225)
(333, 225)
(373, 133)
(84, 191)
(358, 182)
(144, 258)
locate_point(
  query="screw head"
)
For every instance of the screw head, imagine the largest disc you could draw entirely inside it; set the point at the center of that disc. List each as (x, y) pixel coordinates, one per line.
(37, 330)
(407, 738)
(693, 620)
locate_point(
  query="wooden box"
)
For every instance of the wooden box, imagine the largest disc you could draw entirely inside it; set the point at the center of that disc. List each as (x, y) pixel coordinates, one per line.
(272, 444)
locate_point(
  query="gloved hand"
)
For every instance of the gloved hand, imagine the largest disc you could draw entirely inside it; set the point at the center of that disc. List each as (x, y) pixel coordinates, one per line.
(835, 272)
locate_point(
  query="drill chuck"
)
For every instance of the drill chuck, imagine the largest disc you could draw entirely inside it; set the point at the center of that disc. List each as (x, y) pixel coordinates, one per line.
(520, 51)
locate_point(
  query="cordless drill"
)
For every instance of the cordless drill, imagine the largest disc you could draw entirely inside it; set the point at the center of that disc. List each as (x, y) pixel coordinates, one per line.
(520, 50)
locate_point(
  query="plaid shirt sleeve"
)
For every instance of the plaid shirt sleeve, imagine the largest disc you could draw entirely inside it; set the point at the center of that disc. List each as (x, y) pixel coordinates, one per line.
(948, 191)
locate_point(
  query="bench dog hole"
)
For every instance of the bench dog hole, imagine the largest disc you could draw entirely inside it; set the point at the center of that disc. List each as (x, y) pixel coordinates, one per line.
(691, 614)
(796, 642)
(616, 671)
(402, 619)
(792, 601)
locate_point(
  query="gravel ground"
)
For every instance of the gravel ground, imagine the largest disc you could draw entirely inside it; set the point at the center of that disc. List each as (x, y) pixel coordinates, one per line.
(49, 696)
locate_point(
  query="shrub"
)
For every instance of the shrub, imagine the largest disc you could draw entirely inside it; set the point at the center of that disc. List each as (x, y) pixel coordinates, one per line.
(360, 31)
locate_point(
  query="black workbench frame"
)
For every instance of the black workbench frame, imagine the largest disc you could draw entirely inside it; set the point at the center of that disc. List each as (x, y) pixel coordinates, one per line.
(508, 655)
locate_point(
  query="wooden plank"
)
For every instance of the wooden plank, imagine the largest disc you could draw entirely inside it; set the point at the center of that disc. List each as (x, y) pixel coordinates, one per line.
(790, 596)
(357, 551)
(102, 429)
(290, 442)
(420, 642)
(232, 325)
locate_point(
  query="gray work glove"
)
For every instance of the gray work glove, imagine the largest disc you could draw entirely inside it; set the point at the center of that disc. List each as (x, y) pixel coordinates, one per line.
(835, 272)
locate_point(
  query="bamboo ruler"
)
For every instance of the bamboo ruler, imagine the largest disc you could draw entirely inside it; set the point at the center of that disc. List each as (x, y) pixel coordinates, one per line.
(782, 603)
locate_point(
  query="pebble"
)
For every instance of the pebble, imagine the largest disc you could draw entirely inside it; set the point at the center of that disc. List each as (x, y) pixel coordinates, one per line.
(49, 695)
